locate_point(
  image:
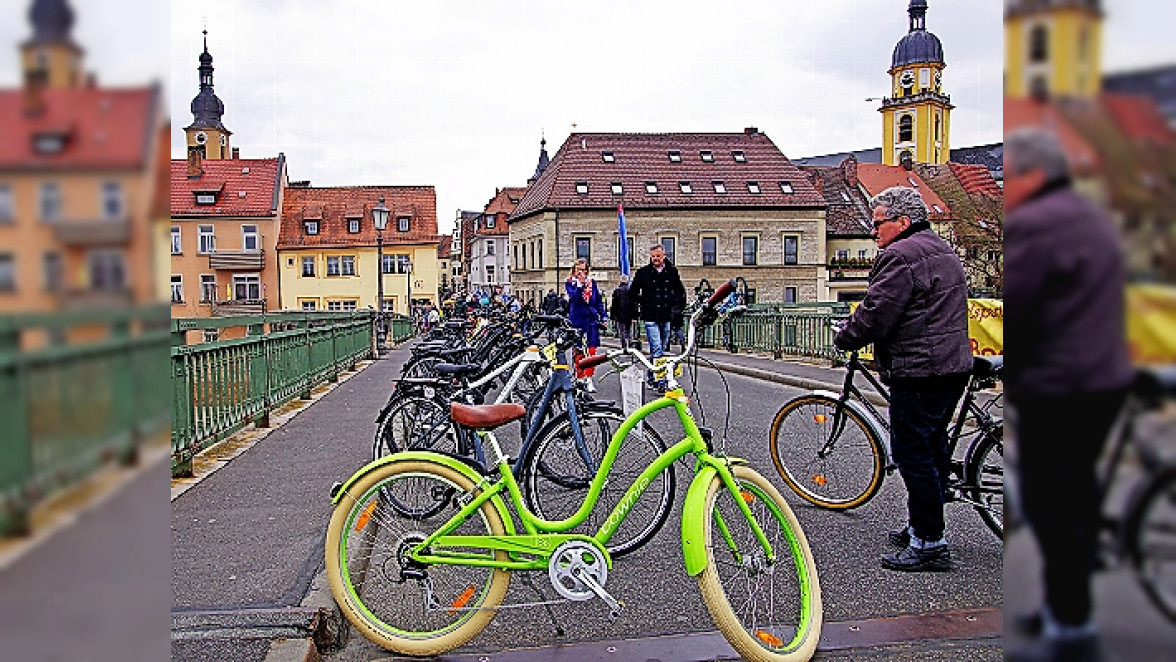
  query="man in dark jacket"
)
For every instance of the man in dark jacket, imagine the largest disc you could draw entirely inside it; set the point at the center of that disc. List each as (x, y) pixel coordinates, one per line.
(1067, 375)
(621, 312)
(551, 303)
(655, 291)
(916, 314)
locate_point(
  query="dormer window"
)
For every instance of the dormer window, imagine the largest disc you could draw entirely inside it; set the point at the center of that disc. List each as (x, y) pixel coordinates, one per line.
(581, 188)
(720, 187)
(675, 156)
(402, 224)
(786, 188)
(913, 182)
(685, 186)
(753, 187)
(49, 143)
(617, 188)
(651, 187)
(312, 227)
(608, 157)
(845, 196)
(707, 156)
(937, 208)
(738, 156)
(206, 198)
(490, 219)
(353, 225)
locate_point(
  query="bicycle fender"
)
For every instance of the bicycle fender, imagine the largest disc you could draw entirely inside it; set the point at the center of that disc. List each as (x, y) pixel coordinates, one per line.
(877, 428)
(425, 456)
(694, 522)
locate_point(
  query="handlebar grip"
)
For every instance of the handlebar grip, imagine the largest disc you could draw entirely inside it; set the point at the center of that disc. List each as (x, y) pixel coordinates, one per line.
(592, 361)
(722, 293)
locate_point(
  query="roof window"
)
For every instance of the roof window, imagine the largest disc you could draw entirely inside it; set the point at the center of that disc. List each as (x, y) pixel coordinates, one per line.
(651, 187)
(845, 196)
(685, 186)
(675, 156)
(937, 208)
(618, 189)
(738, 156)
(707, 156)
(581, 188)
(786, 187)
(608, 157)
(753, 187)
(913, 182)
(720, 187)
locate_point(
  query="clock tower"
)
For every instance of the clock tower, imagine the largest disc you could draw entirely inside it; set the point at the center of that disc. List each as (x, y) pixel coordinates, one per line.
(916, 120)
(206, 134)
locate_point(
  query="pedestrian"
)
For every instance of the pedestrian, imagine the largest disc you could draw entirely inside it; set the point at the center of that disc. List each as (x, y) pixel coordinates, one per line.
(1067, 376)
(434, 316)
(676, 327)
(563, 308)
(655, 290)
(550, 304)
(915, 312)
(585, 311)
(621, 312)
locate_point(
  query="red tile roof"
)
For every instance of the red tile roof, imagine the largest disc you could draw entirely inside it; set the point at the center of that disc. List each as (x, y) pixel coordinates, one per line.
(843, 218)
(503, 204)
(1020, 113)
(104, 128)
(258, 179)
(334, 205)
(976, 179)
(877, 177)
(644, 157)
(1139, 118)
(445, 248)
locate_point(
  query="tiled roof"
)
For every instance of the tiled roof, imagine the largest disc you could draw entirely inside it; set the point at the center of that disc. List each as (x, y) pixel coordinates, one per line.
(638, 158)
(502, 204)
(876, 177)
(103, 128)
(990, 156)
(873, 155)
(843, 218)
(1139, 118)
(1158, 83)
(445, 248)
(1020, 113)
(248, 187)
(975, 179)
(331, 206)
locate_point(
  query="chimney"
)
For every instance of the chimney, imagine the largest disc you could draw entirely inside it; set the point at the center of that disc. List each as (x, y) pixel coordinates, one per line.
(236, 152)
(849, 166)
(751, 131)
(36, 80)
(818, 181)
(195, 162)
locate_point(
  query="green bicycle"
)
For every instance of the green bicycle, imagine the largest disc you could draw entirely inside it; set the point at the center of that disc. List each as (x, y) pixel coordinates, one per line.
(424, 580)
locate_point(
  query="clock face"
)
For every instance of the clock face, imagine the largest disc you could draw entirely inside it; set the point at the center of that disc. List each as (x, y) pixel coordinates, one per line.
(201, 137)
(938, 79)
(908, 79)
(224, 140)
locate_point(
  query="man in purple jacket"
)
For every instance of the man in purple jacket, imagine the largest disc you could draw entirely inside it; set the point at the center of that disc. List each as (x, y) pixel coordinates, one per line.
(916, 314)
(1067, 374)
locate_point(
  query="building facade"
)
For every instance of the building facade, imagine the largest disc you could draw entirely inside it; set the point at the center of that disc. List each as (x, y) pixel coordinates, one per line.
(1053, 48)
(489, 251)
(721, 204)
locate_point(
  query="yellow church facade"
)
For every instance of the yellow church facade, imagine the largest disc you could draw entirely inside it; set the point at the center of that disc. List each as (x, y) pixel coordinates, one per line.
(916, 119)
(1053, 50)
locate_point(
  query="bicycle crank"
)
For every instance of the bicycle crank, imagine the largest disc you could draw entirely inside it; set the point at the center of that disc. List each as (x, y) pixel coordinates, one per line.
(578, 571)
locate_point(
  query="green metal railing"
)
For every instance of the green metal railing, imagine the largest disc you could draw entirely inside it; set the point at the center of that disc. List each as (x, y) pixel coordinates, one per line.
(77, 389)
(220, 387)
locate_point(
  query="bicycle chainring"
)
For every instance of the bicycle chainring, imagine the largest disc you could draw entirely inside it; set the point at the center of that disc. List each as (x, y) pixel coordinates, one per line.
(569, 557)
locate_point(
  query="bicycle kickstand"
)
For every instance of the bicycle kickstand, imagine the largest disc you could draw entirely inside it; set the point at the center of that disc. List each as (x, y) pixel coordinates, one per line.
(559, 631)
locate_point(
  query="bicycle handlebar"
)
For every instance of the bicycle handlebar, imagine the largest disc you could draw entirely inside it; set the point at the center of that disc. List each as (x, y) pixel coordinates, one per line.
(722, 293)
(593, 361)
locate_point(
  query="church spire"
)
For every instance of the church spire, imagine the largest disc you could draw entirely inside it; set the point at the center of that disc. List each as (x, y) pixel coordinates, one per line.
(543, 160)
(50, 57)
(207, 133)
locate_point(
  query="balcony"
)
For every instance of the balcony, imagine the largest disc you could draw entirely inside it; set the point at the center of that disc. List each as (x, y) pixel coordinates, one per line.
(234, 260)
(93, 233)
(852, 268)
(228, 307)
(92, 299)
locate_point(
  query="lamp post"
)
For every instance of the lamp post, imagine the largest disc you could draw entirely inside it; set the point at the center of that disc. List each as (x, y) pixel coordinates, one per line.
(408, 283)
(380, 220)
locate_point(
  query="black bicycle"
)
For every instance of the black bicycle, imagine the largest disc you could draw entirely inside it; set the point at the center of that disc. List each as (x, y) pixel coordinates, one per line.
(833, 449)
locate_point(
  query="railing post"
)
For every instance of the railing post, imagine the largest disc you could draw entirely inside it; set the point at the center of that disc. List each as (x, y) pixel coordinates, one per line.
(778, 335)
(124, 390)
(16, 458)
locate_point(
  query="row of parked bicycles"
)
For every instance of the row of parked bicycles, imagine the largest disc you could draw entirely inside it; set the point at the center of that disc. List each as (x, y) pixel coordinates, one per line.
(424, 540)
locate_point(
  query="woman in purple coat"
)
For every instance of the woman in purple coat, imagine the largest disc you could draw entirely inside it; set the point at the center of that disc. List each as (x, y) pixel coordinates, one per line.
(585, 310)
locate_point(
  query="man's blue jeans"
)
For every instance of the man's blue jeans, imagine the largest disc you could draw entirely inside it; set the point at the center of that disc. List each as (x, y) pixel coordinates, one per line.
(659, 337)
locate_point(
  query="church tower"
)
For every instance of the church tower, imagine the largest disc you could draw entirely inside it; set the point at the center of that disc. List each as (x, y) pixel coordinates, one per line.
(206, 134)
(50, 58)
(1053, 48)
(916, 120)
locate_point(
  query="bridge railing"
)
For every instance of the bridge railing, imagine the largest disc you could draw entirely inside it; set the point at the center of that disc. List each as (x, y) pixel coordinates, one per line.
(221, 386)
(77, 389)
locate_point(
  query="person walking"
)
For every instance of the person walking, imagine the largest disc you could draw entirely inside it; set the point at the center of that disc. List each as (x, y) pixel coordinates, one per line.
(1067, 375)
(915, 312)
(550, 305)
(585, 310)
(655, 291)
(621, 312)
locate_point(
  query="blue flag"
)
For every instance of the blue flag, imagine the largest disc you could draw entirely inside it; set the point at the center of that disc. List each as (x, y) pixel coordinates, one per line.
(624, 246)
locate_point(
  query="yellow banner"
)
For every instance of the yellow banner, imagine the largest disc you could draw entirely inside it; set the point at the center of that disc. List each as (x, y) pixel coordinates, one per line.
(1151, 323)
(985, 327)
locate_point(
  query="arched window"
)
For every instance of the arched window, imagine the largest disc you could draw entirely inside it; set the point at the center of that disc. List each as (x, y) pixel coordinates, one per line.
(906, 129)
(1038, 44)
(938, 121)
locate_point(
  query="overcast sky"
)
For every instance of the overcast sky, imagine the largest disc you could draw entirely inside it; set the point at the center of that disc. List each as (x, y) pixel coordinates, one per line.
(457, 93)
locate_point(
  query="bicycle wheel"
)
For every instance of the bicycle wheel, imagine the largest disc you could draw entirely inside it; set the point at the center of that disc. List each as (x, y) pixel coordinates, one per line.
(416, 423)
(420, 367)
(395, 602)
(766, 610)
(555, 477)
(846, 475)
(984, 473)
(1152, 540)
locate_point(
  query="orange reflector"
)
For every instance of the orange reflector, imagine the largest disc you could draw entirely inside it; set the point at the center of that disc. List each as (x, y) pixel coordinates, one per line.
(820, 418)
(769, 638)
(463, 598)
(820, 479)
(747, 496)
(366, 515)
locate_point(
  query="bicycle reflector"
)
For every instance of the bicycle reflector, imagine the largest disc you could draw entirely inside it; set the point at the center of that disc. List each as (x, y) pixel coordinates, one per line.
(820, 479)
(463, 599)
(820, 418)
(366, 515)
(747, 496)
(769, 638)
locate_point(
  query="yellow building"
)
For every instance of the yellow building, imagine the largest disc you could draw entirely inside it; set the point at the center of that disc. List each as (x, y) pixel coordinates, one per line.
(327, 252)
(1053, 49)
(916, 120)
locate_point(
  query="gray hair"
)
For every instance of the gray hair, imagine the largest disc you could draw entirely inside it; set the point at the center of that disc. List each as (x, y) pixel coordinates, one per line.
(901, 201)
(1033, 148)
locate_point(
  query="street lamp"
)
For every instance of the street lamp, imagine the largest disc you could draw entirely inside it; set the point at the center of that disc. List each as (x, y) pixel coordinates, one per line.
(380, 220)
(408, 283)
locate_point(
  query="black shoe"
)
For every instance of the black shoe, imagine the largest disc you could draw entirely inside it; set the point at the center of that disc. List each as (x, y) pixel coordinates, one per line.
(932, 559)
(900, 538)
(1058, 649)
(1031, 624)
